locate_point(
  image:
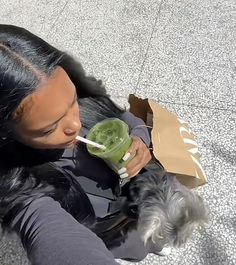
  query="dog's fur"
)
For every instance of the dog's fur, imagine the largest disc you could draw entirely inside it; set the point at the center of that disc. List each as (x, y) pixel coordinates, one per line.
(168, 212)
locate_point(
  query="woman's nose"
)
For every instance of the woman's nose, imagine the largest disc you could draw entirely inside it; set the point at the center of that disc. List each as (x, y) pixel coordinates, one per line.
(72, 126)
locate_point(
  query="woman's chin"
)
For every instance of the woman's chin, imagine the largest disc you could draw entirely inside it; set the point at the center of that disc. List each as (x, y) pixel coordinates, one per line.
(68, 145)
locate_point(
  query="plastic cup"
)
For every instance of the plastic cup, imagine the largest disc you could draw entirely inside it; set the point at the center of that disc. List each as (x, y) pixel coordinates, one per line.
(114, 135)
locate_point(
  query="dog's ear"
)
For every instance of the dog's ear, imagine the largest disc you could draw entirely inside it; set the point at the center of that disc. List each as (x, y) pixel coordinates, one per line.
(153, 227)
(187, 212)
(151, 222)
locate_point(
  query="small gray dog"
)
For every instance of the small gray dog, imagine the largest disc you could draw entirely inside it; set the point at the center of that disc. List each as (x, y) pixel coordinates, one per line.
(168, 212)
(162, 210)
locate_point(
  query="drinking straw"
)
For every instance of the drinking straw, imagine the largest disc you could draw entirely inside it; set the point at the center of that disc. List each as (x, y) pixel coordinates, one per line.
(84, 140)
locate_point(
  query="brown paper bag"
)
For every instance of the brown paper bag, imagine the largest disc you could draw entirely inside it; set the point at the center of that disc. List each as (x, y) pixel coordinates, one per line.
(172, 141)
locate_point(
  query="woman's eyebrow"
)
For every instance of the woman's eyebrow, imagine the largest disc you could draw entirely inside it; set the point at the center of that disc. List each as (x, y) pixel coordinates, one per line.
(75, 98)
(54, 123)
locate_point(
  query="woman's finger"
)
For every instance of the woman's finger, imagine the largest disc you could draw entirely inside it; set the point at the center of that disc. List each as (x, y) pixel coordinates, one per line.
(141, 156)
(138, 162)
(135, 170)
(137, 143)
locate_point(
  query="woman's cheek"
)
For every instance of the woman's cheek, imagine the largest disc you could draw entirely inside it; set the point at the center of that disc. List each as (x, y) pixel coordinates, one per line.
(51, 139)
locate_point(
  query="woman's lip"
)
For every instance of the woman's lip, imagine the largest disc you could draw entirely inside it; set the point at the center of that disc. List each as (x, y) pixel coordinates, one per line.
(69, 143)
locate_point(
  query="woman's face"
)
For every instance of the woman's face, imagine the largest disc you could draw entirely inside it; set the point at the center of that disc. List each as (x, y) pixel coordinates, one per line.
(49, 117)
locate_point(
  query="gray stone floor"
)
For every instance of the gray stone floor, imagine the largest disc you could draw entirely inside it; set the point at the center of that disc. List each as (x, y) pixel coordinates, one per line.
(180, 53)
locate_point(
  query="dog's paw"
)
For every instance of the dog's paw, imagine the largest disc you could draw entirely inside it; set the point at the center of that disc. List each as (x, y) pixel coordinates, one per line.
(164, 252)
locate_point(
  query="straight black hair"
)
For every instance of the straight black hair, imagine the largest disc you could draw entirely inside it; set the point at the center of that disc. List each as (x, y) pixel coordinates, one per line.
(25, 59)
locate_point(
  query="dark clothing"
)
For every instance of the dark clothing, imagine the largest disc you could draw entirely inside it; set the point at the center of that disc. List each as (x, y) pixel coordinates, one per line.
(50, 235)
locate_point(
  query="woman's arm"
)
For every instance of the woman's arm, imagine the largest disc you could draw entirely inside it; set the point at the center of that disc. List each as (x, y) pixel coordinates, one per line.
(52, 236)
(139, 147)
(137, 127)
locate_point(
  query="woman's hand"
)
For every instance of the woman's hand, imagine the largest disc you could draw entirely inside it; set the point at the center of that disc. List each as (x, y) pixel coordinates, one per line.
(141, 154)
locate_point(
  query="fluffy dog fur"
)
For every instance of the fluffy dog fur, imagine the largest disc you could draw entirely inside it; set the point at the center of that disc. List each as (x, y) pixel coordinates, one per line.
(164, 212)
(168, 212)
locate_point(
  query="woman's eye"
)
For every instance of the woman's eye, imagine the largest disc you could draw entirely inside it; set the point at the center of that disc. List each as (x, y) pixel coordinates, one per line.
(49, 131)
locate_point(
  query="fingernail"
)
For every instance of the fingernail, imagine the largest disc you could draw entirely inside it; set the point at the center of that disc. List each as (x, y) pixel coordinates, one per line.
(122, 170)
(126, 156)
(123, 176)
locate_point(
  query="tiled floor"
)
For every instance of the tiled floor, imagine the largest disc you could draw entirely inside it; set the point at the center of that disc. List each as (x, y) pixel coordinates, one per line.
(180, 53)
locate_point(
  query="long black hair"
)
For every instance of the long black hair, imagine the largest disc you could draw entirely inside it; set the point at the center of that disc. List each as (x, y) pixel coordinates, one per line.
(34, 182)
(25, 60)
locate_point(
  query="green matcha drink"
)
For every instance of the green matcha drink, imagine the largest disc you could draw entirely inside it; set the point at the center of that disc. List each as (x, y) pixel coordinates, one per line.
(113, 134)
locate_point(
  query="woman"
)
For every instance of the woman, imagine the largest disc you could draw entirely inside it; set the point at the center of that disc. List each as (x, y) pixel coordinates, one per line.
(46, 100)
